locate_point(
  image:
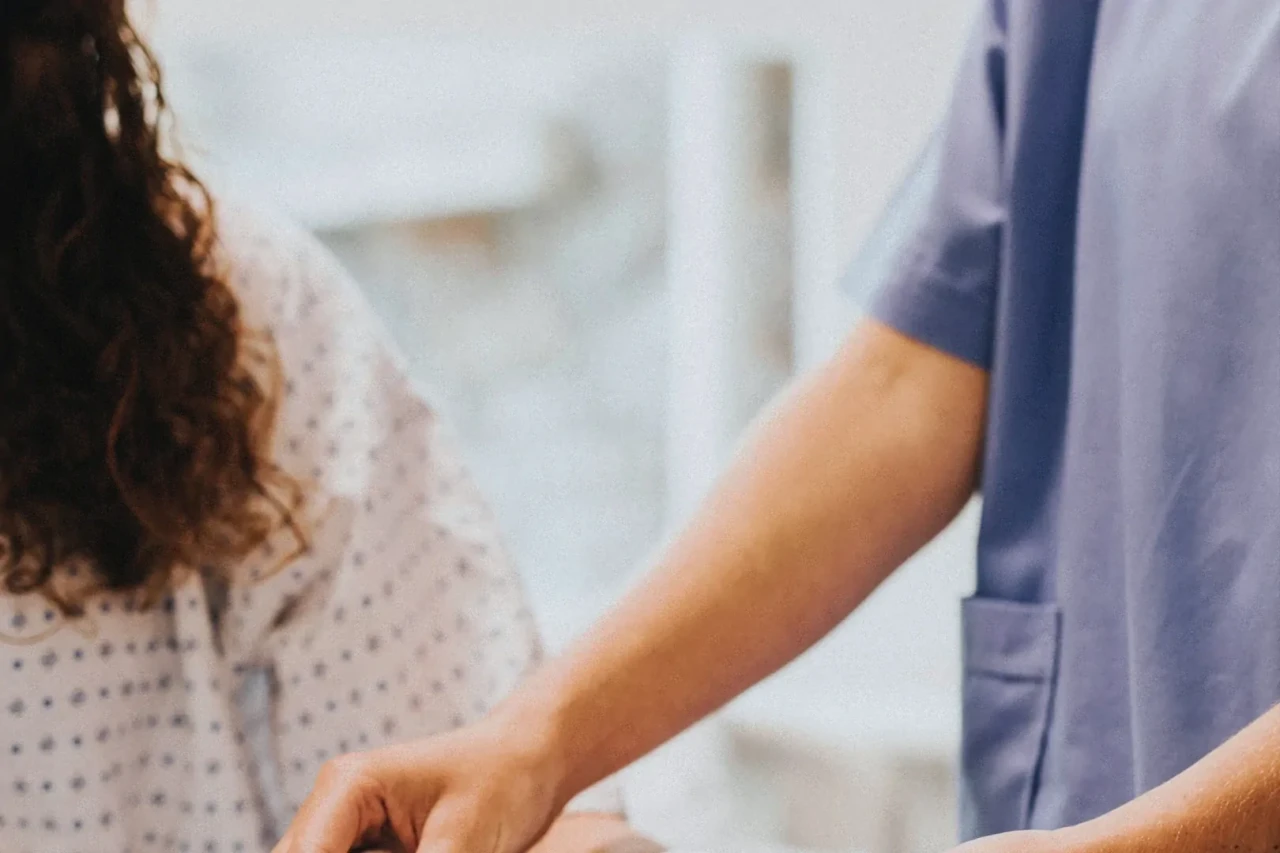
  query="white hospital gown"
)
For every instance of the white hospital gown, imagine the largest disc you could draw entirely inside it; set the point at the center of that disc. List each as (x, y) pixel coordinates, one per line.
(124, 731)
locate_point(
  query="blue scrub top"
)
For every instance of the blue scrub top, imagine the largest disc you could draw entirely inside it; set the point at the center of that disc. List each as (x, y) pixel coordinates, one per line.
(1097, 223)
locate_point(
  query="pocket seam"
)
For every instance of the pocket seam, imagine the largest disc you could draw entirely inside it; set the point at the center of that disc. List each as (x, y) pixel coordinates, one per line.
(1025, 644)
(1017, 643)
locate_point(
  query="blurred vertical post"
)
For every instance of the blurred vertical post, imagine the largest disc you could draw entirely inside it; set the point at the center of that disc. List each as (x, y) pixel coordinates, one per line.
(689, 786)
(709, 166)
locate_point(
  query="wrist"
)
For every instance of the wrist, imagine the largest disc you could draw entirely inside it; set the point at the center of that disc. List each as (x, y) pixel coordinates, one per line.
(537, 725)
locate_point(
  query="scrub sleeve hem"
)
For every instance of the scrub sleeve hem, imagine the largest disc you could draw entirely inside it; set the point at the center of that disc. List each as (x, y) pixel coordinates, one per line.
(931, 310)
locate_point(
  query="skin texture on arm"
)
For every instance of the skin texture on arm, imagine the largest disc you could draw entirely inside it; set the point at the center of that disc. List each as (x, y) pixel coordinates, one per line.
(1229, 801)
(863, 463)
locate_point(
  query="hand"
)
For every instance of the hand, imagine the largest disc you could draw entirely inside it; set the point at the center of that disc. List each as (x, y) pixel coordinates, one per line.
(490, 788)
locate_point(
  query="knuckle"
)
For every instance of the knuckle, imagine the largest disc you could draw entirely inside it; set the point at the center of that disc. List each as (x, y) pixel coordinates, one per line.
(344, 771)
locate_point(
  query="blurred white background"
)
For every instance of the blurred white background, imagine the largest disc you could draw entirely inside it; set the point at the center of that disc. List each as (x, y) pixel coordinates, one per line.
(606, 234)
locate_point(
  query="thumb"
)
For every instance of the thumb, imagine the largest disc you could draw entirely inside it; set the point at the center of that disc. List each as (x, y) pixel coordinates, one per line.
(323, 829)
(455, 826)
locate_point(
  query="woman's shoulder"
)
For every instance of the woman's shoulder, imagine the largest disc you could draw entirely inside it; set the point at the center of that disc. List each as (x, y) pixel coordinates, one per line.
(283, 275)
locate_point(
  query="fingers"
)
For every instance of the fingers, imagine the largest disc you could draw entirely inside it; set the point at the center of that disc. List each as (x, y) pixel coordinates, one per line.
(338, 814)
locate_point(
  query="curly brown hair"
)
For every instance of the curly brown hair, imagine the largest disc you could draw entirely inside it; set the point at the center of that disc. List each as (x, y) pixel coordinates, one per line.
(137, 411)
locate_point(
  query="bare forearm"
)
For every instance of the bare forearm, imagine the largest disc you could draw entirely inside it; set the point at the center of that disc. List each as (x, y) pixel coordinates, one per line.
(863, 464)
(1229, 801)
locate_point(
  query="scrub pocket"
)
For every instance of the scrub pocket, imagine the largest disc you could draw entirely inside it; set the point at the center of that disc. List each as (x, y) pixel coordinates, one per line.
(1010, 664)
